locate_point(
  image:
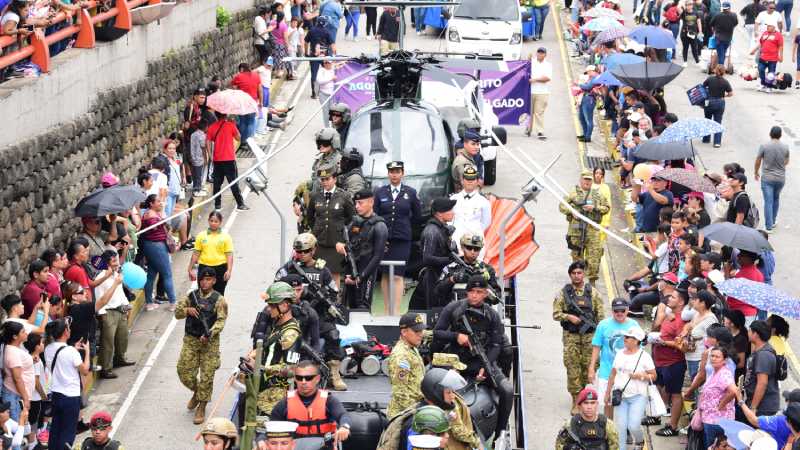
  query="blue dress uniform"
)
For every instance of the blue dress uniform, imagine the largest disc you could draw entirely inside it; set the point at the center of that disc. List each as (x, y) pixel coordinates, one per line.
(400, 211)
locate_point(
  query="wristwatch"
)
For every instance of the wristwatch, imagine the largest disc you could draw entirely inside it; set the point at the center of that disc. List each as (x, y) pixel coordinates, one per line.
(347, 425)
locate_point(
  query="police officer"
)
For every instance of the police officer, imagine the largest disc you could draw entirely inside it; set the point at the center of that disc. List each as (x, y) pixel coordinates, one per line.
(317, 278)
(436, 253)
(351, 177)
(462, 430)
(400, 207)
(452, 334)
(575, 300)
(588, 429)
(473, 211)
(406, 367)
(583, 240)
(219, 433)
(339, 115)
(469, 155)
(368, 234)
(329, 147)
(453, 281)
(329, 209)
(205, 311)
(100, 424)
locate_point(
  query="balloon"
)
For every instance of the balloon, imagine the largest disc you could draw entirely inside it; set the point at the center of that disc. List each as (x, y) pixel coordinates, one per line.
(133, 276)
(642, 171)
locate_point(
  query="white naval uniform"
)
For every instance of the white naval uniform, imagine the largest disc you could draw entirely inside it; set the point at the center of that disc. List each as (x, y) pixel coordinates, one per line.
(472, 213)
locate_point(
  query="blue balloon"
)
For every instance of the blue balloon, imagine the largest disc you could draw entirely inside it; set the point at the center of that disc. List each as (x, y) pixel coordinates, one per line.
(133, 276)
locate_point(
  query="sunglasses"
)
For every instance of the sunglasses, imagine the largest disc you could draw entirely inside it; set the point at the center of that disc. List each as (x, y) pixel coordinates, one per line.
(305, 377)
(324, 144)
(303, 251)
(471, 248)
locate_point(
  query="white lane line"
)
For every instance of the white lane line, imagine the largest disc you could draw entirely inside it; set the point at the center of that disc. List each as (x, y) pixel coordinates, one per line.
(162, 341)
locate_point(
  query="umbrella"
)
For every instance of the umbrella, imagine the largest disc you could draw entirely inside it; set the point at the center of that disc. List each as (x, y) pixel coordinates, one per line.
(732, 429)
(232, 101)
(647, 76)
(618, 59)
(657, 151)
(762, 296)
(599, 11)
(691, 128)
(738, 236)
(112, 200)
(652, 36)
(606, 79)
(610, 35)
(689, 178)
(601, 24)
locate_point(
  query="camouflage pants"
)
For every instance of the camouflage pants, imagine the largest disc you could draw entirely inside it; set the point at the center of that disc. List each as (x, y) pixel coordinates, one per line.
(592, 253)
(577, 355)
(269, 397)
(197, 364)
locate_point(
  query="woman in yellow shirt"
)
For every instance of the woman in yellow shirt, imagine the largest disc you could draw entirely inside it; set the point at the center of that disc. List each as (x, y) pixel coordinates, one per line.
(780, 332)
(213, 248)
(599, 175)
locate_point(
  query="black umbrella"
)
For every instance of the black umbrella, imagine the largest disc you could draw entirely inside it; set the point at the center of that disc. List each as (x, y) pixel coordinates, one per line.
(652, 150)
(647, 76)
(737, 236)
(112, 200)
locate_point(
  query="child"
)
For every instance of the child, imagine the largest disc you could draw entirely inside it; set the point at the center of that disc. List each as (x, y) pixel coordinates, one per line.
(198, 158)
(296, 40)
(35, 346)
(264, 72)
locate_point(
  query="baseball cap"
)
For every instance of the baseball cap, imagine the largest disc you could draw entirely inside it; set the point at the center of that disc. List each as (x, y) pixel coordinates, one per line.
(442, 204)
(477, 281)
(100, 419)
(587, 393)
(792, 411)
(715, 276)
(636, 333)
(669, 277)
(109, 179)
(726, 5)
(541, 50)
(413, 321)
(619, 304)
(293, 280)
(792, 396)
(587, 175)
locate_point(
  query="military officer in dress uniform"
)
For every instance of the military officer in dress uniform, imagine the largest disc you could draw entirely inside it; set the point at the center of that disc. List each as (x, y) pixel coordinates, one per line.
(436, 253)
(329, 147)
(455, 275)
(205, 311)
(350, 177)
(588, 429)
(406, 367)
(583, 240)
(574, 300)
(278, 435)
(400, 208)
(368, 234)
(473, 211)
(467, 156)
(329, 210)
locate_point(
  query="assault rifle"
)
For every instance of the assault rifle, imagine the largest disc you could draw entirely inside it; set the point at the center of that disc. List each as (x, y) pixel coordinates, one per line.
(322, 295)
(195, 305)
(324, 370)
(587, 324)
(477, 350)
(471, 270)
(351, 260)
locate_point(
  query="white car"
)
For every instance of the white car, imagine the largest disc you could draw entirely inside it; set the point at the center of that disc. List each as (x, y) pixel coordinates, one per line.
(487, 28)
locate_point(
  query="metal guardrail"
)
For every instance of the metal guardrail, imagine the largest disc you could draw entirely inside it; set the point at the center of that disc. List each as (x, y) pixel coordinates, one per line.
(38, 48)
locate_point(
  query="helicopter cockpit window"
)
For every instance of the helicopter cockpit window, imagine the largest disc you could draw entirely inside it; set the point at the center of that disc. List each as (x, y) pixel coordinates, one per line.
(499, 10)
(421, 137)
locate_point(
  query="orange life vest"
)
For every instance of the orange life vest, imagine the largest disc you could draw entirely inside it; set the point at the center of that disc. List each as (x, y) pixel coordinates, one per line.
(312, 419)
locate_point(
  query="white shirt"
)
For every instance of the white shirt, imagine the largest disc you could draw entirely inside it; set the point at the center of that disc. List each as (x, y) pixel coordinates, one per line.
(260, 26)
(295, 36)
(159, 181)
(25, 324)
(265, 75)
(395, 190)
(764, 18)
(325, 80)
(65, 378)
(538, 70)
(625, 364)
(38, 370)
(472, 212)
(118, 298)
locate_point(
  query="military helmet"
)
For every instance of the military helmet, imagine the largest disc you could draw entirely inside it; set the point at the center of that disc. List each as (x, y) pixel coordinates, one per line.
(471, 240)
(355, 156)
(467, 124)
(430, 418)
(342, 109)
(436, 380)
(279, 292)
(329, 135)
(304, 241)
(220, 426)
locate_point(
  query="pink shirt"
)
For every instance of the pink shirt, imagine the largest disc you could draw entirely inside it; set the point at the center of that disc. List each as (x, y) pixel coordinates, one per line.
(713, 391)
(17, 357)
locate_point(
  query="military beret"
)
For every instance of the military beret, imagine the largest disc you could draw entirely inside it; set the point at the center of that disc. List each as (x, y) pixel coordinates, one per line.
(362, 194)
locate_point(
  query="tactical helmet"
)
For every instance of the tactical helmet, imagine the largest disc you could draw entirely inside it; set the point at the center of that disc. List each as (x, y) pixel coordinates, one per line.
(279, 291)
(472, 240)
(342, 109)
(467, 124)
(351, 160)
(436, 380)
(220, 426)
(304, 241)
(430, 418)
(329, 135)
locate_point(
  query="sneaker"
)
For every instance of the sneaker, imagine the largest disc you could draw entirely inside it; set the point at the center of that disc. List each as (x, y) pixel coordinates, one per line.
(43, 436)
(770, 230)
(650, 421)
(770, 90)
(684, 64)
(201, 193)
(717, 145)
(797, 84)
(151, 306)
(541, 137)
(172, 307)
(242, 207)
(667, 431)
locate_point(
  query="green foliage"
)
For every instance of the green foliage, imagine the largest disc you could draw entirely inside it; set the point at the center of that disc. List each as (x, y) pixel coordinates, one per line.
(223, 17)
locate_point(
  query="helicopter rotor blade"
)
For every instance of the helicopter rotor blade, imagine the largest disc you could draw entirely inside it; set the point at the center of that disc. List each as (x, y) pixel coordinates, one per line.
(441, 75)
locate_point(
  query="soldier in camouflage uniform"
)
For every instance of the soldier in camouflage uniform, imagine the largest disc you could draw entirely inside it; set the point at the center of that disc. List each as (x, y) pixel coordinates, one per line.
(300, 202)
(329, 146)
(205, 311)
(350, 177)
(577, 335)
(584, 241)
(406, 367)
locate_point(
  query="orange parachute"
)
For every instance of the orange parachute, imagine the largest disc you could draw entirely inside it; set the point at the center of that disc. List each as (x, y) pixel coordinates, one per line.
(520, 241)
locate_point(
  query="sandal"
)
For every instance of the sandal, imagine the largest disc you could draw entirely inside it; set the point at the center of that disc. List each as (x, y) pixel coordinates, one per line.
(650, 421)
(667, 431)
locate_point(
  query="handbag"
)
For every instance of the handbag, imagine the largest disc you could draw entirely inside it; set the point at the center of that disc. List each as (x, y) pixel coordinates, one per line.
(172, 244)
(655, 404)
(696, 421)
(616, 394)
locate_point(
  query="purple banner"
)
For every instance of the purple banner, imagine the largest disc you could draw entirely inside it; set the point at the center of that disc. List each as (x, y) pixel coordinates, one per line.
(508, 93)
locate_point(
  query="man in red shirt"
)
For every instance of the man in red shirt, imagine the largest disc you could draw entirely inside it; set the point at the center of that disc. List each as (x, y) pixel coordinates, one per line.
(748, 269)
(39, 272)
(669, 360)
(221, 135)
(250, 82)
(78, 255)
(771, 45)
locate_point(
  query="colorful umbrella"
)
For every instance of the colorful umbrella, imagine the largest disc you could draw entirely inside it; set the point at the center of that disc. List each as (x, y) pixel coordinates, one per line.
(737, 236)
(652, 150)
(599, 11)
(601, 24)
(691, 128)
(647, 76)
(611, 34)
(652, 36)
(689, 178)
(762, 296)
(618, 59)
(232, 101)
(606, 79)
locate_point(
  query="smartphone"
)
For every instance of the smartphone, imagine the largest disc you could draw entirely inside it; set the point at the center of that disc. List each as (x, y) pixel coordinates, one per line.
(28, 27)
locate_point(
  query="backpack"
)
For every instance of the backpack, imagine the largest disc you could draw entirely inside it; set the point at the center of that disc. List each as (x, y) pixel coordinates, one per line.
(753, 217)
(781, 366)
(671, 14)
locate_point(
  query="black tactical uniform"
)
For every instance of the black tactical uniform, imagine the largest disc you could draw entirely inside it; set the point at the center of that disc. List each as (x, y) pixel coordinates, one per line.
(446, 289)
(368, 242)
(435, 241)
(351, 178)
(327, 213)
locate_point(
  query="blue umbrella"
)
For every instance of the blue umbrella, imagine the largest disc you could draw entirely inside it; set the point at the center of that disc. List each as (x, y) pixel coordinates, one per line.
(618, 59)
(652, 36)
(762, 296)
(691, 128)
(732, 429)
(601, 24)
(606, 79)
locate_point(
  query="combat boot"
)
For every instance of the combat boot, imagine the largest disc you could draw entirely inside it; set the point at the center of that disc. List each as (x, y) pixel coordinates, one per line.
(192, 402)
(200, 413)
(336, 376)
